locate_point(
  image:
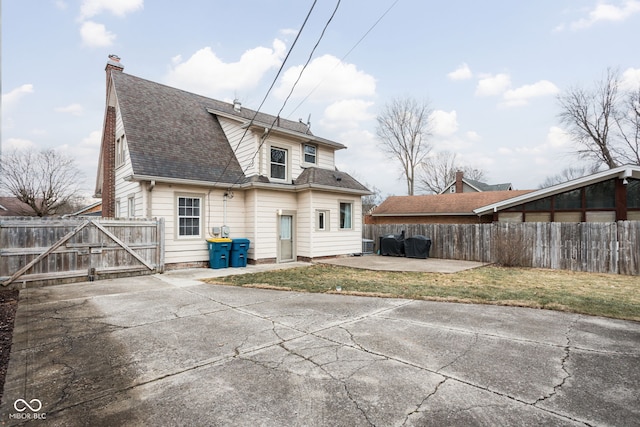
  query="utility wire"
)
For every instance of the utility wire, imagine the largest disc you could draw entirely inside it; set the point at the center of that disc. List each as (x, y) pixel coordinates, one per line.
(277, 118)
(275, 79)
(346, 54)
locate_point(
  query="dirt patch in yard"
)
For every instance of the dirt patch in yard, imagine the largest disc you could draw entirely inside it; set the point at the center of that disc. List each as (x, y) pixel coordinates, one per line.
(8, 307)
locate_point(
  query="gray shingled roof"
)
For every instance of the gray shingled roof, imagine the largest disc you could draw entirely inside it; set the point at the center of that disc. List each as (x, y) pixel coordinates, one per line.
(489, 187)
(330, 178)
(170, 134)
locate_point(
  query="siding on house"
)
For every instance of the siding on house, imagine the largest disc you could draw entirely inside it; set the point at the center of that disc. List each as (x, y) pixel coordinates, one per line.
(194, 249)
(246, 143)
(125, 188)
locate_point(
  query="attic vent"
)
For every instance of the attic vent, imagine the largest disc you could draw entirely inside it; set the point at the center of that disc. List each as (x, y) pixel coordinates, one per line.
(237, 106)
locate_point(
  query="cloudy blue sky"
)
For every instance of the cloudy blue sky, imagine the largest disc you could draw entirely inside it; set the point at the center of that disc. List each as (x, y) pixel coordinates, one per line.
(491, 70)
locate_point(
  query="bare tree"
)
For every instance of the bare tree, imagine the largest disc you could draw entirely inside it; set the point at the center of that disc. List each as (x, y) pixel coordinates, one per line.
(603, 127)
(403, 131)
(569, 174)
(438, 171)
(47, 181)
(628, 123)
(372, 200)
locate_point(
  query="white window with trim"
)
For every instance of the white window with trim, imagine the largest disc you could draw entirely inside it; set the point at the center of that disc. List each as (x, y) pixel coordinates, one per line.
(121, 150)
(189, 210)
(322, 220)
(117, 210)
(278, 163)
(131, 206)
(346, 215)
(310, 153)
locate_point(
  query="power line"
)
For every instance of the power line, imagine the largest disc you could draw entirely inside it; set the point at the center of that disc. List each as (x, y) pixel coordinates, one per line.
(347, 54)
(277, 117)
(275, 79)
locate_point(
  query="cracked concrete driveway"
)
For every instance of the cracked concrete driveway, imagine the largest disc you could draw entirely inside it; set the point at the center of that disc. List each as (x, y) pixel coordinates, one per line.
(169, 350)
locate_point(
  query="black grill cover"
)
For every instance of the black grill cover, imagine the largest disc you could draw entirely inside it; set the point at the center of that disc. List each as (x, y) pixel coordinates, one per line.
(392, 245)
(417, 247)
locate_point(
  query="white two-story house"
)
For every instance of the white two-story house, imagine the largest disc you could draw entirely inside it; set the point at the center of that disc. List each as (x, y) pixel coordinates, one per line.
(211, 168)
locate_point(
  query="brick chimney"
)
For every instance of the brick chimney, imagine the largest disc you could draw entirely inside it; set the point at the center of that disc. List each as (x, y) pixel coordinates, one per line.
(459, 184)
(109, 144)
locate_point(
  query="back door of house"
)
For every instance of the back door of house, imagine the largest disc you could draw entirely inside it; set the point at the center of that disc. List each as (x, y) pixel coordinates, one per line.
(286, 239)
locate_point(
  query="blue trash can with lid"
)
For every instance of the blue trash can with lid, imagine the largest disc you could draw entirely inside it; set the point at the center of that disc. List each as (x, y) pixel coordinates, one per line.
(219, 250)
(239, 248)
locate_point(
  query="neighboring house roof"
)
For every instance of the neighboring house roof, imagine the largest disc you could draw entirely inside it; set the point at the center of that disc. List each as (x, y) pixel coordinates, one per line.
(441, 204)
(475, 185)
(488, 187)
(622, 172)
(175, 135)
(11, 206)
(94, 209)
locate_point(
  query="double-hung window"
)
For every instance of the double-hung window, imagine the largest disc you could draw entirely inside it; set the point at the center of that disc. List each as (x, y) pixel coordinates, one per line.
(310, 153)
(346, 214)
(278, 163)
(189, 216)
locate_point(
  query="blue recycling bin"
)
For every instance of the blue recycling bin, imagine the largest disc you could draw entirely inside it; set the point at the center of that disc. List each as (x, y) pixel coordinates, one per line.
(239, 248)
(219, 250)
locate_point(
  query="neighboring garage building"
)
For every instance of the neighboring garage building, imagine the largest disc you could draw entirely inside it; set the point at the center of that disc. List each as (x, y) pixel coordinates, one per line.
(607, 196)
(449, 208)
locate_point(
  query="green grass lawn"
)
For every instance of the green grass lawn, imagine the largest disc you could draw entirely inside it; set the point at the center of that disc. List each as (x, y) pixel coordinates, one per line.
(608, 295)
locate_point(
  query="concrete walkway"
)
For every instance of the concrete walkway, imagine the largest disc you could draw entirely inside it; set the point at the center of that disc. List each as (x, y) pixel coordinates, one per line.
(391, 263)
(169, 350)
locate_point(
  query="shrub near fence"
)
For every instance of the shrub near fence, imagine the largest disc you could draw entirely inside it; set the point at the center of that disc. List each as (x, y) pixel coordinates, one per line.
(60, 250)
(591, 247)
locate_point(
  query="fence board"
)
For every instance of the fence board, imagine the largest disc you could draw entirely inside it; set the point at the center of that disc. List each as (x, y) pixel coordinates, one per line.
(591, 247)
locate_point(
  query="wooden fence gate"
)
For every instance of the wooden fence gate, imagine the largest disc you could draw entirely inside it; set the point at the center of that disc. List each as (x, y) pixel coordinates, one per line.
(54, 250)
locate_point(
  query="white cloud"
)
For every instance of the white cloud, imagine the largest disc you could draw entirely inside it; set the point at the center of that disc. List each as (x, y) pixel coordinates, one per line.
(10, 99)
(74, 109)
(17, 144)
(522, 95)
(443, 123)
(91, 8)
(607, 12)
(493, 85)
(206, 74)
(630, 79)
(347, 114)
(463, 72)
(558, 138)
(96, 35)
(288, 32)
(326, 78)
(473, 136)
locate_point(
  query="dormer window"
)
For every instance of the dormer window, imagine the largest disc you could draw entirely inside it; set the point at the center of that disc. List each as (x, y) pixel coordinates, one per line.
(310, 153)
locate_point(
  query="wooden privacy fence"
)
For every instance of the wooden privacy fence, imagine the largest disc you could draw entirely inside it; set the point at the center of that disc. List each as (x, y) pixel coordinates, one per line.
(42, 250)
(592, 247)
